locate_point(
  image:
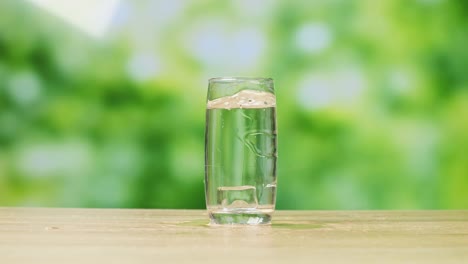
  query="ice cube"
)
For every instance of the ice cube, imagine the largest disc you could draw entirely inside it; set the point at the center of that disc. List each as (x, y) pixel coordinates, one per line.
(237, 197)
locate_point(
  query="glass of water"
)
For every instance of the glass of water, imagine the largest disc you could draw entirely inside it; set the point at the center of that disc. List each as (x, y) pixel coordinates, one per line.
(240, 150)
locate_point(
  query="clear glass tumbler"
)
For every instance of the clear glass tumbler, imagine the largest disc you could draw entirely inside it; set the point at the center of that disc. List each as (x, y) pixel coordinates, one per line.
(240, 150)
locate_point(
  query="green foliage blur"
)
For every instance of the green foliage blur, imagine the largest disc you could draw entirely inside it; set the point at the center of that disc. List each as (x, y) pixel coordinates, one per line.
(372, 101)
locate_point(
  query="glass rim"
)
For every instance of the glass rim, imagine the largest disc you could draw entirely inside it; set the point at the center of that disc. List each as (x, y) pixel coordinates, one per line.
(240, 79)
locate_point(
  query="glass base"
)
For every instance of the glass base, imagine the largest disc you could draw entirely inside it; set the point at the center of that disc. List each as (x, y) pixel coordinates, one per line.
(240, 218)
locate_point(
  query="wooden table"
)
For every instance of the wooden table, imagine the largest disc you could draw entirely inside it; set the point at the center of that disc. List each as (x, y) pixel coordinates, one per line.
(108, 236)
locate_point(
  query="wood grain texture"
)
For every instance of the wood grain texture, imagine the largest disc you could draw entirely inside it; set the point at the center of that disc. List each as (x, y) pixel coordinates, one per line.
(39, 235)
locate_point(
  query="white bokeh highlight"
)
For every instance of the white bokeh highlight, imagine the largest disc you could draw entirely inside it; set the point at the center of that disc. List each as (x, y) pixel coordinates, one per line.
(24, 88)
(338, 89)
(313, 37)
(93, 17)
(143, 66)
(51, 159)
(215, 45)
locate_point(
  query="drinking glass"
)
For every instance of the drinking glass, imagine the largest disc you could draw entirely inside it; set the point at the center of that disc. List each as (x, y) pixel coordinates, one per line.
(240, 150)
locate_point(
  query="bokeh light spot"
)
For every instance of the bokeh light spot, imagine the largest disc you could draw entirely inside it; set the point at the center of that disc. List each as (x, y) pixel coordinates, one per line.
(314, 37)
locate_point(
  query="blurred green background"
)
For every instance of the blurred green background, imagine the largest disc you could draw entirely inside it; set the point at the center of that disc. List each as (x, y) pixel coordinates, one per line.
(372, 101)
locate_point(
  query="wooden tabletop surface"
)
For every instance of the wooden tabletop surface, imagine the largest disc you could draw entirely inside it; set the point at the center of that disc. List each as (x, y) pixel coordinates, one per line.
(40, 235)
